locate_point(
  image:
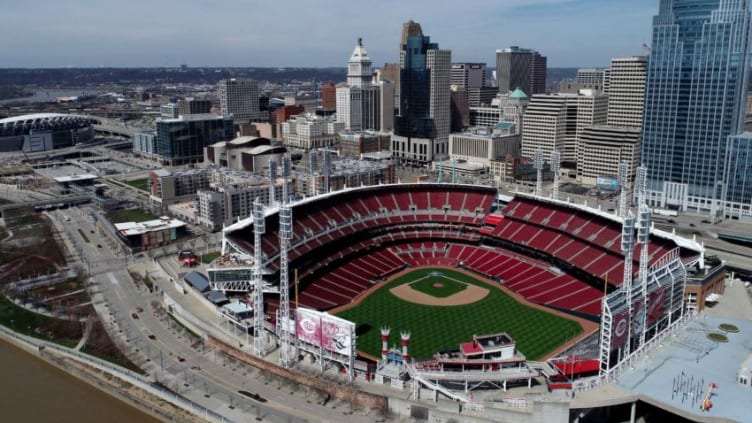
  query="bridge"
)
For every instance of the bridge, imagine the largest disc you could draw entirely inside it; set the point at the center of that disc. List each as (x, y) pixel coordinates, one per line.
(111, 127)
(54, 203)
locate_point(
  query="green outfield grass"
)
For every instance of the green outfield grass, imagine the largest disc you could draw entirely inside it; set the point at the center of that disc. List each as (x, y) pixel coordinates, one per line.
(437, 328)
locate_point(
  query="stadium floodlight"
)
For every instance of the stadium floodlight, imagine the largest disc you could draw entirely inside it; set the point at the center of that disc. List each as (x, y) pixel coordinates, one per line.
(538, 165)
(272, 181)
(623, 181)
(641, 183)
(259, 227)
(555, 167)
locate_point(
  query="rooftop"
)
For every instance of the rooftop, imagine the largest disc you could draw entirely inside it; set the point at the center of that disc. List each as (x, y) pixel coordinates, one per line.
(138, 228)
(678, 373)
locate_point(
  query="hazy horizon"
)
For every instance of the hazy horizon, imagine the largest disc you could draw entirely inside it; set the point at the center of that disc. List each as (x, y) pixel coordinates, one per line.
(295, 34)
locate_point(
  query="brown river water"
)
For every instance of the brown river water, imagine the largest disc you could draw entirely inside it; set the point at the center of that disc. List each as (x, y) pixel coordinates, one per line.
(34, 391)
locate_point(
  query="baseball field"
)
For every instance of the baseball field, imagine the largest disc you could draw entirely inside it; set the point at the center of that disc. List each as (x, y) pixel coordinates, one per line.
(443, 308)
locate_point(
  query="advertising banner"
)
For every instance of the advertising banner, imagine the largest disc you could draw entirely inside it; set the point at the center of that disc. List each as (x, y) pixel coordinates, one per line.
(619, 330)
(656, 305)
(638, 317)
(308, 326)
(336, 335)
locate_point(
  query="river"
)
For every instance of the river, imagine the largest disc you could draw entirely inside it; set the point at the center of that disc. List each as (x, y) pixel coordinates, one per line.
(50, 95)
(34, 391)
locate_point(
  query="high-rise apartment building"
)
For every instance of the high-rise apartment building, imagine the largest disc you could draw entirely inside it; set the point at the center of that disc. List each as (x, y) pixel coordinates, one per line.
(694, 99)
(240, 98)
(468, 75)
(626, 93)
(520, 68)
(421, 129)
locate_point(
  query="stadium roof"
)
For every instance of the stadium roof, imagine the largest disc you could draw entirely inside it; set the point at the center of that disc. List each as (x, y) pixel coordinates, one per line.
(22, 125)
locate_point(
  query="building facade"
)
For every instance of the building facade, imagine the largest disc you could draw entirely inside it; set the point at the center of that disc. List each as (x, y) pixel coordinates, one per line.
(182, 140)
(602, 148)
(328, 97)
(359, 101)
(550, 123)
(468, 75)
(353, 144)
(737, 181)
(695, 95)
(193, 106)
(626, 93)
(309, 131)
(481, 145)
(421, 129)
(240, 98)
(520, 68)
(145, 144)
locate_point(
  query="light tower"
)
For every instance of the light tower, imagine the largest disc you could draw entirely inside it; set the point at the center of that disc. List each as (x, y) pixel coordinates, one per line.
(641, 181)
(627, 247)
(555, 167)
(405, 335)
(286, 172)
(259, 227)
(326, 169)
(272, 181)
(384, 342)
(538, 166)
(285, 234)
(643, 238)
(313, 162)
(286, 352)
(623, 171)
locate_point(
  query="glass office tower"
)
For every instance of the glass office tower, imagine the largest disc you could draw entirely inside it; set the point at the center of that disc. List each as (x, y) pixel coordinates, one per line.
(694, 99)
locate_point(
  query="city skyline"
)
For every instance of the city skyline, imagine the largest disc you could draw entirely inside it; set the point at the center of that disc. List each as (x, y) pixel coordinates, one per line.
(571, 33)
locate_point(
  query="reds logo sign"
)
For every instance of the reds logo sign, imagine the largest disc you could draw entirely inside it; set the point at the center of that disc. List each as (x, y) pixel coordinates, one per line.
(621, 327)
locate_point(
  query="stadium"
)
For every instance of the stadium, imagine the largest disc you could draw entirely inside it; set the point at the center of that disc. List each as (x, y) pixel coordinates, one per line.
(482, 291)
(44, 131)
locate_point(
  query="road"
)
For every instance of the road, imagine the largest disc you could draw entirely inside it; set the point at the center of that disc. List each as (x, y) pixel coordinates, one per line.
(175, 358)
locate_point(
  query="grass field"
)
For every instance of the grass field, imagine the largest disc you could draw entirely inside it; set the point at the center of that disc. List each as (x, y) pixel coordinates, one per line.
(210, 257)
(132, 215)
(436, 328)
(142, 184)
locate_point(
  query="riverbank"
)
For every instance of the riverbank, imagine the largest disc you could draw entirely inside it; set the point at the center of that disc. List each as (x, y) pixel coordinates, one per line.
(131, 390)
(31, 390)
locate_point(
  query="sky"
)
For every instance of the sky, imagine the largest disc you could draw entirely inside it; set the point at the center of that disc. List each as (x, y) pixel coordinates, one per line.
(315, 33)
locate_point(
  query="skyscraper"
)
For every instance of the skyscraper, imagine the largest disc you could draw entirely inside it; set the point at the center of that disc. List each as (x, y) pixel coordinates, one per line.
(626, 97)
(694, 99)
(240, 98)
(468, 75)
(421, 129)
(520, 68)
(358, 100)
